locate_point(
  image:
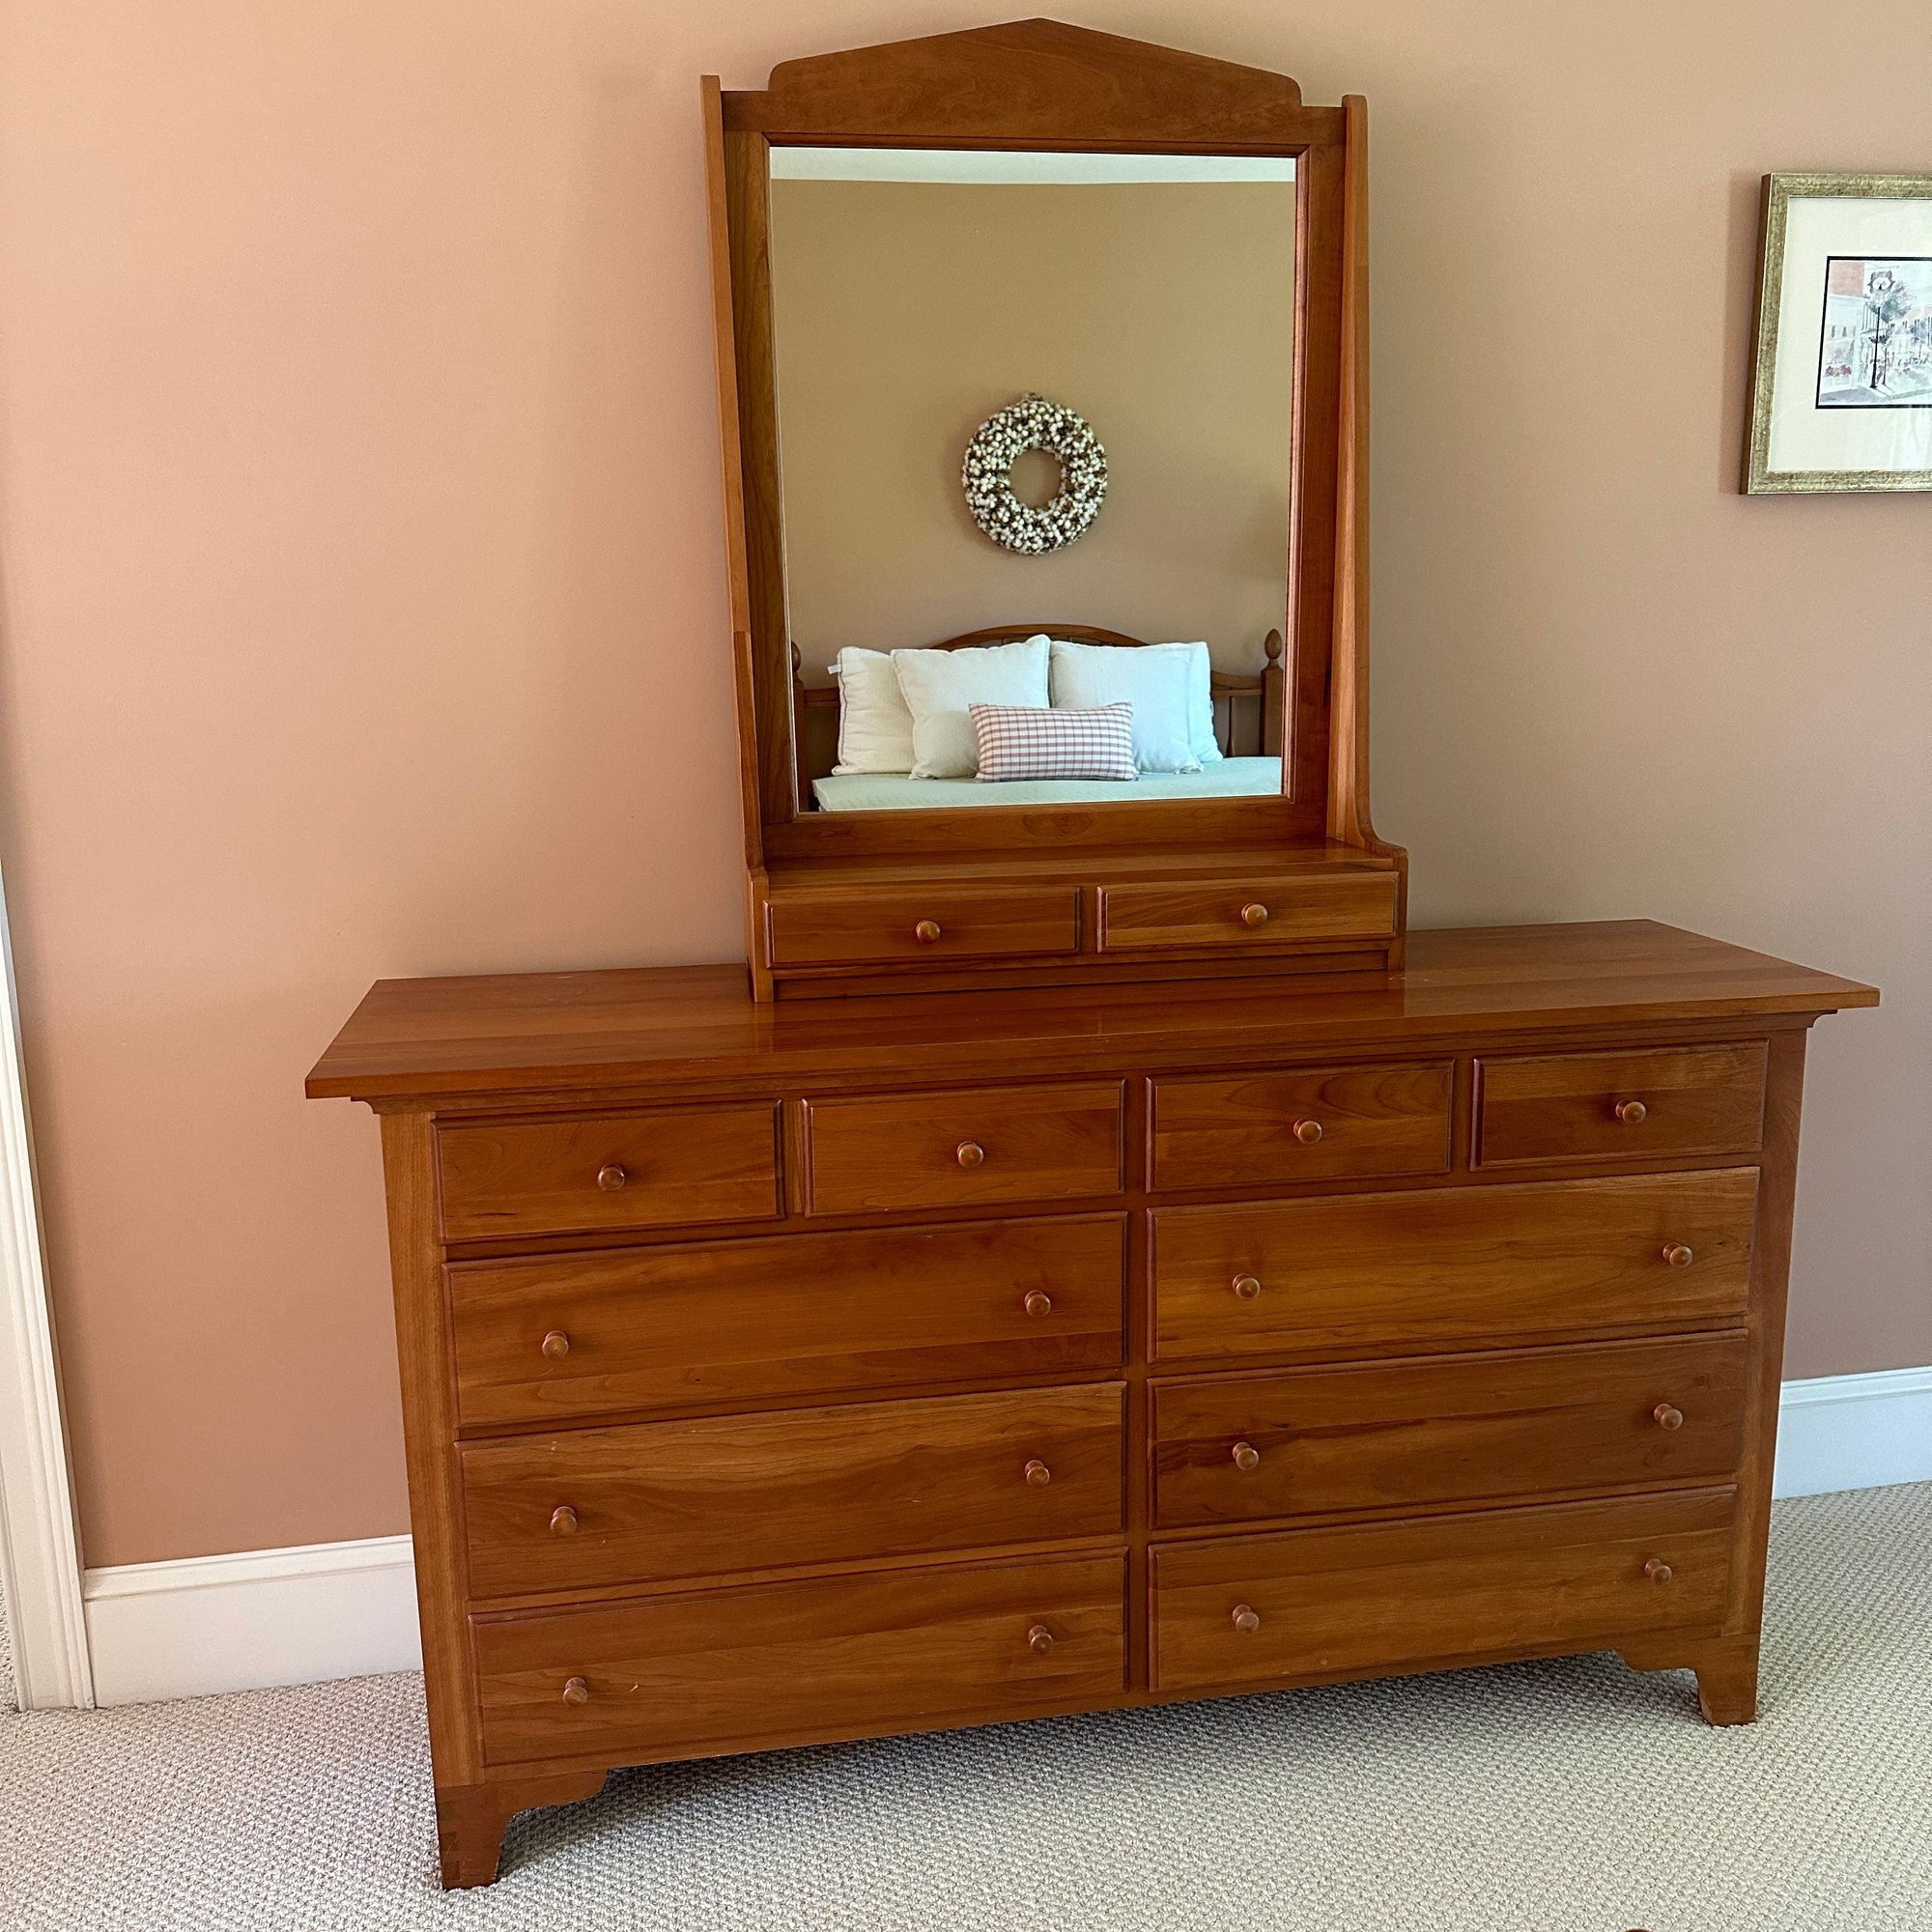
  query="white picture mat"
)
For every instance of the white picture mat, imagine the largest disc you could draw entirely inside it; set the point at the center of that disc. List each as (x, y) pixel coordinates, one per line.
(1802, 436)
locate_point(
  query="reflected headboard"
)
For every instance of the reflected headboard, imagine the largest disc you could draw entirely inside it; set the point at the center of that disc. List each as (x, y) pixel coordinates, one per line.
(814, 708)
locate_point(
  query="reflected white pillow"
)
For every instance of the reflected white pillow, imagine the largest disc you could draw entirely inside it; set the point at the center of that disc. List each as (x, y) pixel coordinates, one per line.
(1168, 685)
(939, 685)
(874, 725)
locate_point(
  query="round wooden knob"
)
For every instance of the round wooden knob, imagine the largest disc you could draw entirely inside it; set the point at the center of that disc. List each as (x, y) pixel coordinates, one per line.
(1246, 1620)
(971, 1153)
(576, 1692)
(1308, 1132)
(1254, 915)
(1246, 1456)
(1040, 1639)
(1246, 1286)
(563, 1521)
(1678, 1255)
(1668, 1417)
(611, 1176)
(1659, 1570)
(1037, 1302)
(1037, 1473)
(926, 932)
(557, 1345)
(1633, 1112)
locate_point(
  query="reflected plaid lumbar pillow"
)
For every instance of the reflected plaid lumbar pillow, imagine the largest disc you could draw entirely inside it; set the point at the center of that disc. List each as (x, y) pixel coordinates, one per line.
(1017, 742)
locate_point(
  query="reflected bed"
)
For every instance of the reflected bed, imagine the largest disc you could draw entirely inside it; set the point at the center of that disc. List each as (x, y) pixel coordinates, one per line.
(882, 791)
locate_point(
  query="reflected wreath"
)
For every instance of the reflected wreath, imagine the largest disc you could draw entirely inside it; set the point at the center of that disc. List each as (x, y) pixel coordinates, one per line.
(1034, 423)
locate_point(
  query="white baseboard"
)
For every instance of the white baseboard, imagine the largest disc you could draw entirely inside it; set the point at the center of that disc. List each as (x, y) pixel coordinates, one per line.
(1855, 1433)
(349, 1610)
(246, 1622)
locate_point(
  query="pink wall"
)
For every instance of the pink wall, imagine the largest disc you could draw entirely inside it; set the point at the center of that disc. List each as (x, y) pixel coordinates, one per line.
(361, 553)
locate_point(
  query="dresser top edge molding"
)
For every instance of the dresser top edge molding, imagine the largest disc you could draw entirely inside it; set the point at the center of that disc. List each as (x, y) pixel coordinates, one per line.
(431, 1038)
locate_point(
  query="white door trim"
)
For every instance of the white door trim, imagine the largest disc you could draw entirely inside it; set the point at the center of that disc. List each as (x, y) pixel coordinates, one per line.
(40, 1552)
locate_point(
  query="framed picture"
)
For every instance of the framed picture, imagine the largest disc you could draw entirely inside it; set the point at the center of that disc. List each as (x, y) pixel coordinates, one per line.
(1841, 383)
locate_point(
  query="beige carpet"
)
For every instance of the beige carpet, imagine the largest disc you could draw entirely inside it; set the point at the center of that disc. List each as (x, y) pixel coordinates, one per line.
(1572, 1797)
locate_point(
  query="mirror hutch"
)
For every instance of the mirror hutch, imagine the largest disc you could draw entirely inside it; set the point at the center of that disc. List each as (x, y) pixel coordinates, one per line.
(1096, 1256)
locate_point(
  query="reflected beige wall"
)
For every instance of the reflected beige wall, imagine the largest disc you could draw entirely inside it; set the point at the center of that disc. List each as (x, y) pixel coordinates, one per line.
(907, 312)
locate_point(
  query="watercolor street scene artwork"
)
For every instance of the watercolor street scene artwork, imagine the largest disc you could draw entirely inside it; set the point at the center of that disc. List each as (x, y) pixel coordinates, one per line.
(1876, 352)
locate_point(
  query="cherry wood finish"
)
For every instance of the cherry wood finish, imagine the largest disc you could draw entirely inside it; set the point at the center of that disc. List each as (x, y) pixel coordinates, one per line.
(709, 1669)
(1621, 1106)
(536, 1033)
(1319, 1124)
(1258, 914)
(864, 925)
(954, 1148)
(1380, 1597)
(1036, 84)
(651, 1170)
(1456, 1267)
(1465, 1429)
(789, 1316)
(687, 1498)
(908, 1444)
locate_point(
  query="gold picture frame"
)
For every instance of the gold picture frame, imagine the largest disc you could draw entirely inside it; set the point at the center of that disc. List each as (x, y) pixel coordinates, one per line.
(1792, 411)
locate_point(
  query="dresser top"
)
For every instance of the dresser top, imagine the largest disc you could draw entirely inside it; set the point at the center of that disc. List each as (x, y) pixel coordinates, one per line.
(523, 1032)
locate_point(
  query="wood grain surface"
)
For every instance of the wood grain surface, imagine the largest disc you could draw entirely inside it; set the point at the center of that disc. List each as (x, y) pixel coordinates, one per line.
(1445, 1267)
(777, 1319)
(1471, 1428)
(711, 1494)
(906, 1646)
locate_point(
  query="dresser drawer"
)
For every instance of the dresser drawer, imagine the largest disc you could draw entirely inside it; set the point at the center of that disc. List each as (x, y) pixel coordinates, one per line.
(659, 1500)
(1250, 914)
(784, 1315)
(963, 1148)
(1620, 1106)
(1444, 1267)
(856, 927)
(1310, 1123)
(656, 1169)
(1395, 1596)
(1463, 1429)
(828, 1657)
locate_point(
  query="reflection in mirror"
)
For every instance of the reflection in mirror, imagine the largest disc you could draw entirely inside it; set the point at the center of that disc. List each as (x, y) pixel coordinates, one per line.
(1035, 410)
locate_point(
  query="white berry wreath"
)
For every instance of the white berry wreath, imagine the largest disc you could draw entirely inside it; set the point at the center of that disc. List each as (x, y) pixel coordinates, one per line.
(1034, 423)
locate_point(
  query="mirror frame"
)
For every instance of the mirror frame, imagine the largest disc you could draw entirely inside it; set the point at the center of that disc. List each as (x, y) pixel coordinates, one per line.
(1044, 85)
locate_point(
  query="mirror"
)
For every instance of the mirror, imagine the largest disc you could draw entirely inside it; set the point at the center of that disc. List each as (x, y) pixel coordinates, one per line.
(1136, 313)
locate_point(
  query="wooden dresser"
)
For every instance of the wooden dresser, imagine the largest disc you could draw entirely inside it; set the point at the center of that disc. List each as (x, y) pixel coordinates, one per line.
(779, 1373)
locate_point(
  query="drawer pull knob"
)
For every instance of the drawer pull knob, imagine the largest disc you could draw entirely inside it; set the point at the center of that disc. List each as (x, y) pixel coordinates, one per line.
(563, 1521)
(1246, 1619)
(1678, 1255)
(611, 1176)
(1659, 1570)
(1254, 915)
(1246, 1456)
(576, 1692)
(1668, 1417)
(1308, 1132)
(1246, 1286)
(971, 1153)
(1037, 1473)
(926, 932)
(1633, 1112)
(557, 1345)
(1037, 1302)
(1040, 1639)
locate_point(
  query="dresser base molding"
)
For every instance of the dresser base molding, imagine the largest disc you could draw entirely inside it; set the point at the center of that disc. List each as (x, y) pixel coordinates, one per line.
(779, 1377)
(1727, 1668)
(470, 1819)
